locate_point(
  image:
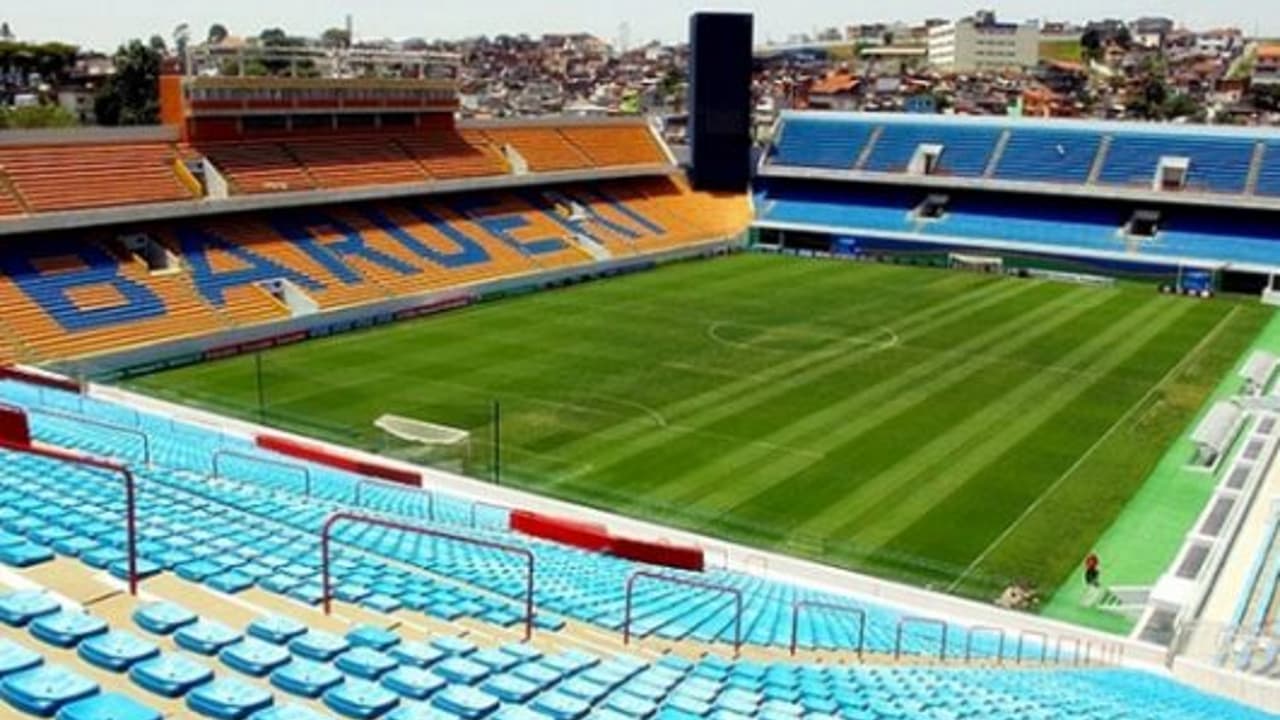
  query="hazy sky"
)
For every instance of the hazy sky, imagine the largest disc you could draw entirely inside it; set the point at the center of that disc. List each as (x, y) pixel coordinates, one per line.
(104, 23)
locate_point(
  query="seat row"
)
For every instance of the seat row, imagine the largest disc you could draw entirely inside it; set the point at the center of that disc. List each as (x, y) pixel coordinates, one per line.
(1218, 163)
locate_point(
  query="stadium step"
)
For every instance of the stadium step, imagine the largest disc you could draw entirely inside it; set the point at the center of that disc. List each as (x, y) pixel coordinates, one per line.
(1099, 160)
(997, 154)
(1255, 168)
(869, 148)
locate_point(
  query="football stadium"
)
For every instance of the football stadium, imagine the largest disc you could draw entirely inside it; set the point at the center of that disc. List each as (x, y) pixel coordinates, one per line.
(317, 401)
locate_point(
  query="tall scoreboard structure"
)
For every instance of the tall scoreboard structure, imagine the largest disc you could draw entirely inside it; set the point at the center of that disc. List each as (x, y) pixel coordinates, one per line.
(247, 92)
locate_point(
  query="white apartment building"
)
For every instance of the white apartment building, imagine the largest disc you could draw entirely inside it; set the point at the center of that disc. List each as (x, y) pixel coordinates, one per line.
(980, 43)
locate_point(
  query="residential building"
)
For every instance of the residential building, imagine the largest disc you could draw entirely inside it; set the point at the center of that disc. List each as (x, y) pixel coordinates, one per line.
(982, 43)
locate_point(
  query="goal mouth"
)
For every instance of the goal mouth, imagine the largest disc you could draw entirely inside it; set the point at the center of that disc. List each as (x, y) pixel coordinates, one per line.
(422, 432)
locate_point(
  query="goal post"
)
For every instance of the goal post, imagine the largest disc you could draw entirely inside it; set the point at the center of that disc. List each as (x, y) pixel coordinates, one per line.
(427, 442)
(975, 263)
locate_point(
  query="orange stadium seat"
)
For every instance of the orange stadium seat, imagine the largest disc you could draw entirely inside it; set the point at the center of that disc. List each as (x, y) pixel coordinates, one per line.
(186, 313)
(351, 162)
(9, 203)
(257, 167)
(455, 155)
(543, 148)
(615, 145)
(71, 177)
(89, 296)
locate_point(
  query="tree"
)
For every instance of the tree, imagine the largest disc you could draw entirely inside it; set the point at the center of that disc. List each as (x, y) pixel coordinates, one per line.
(217, 34)
(335, 38)
(1181, 105)
(1091, 45)
(181, 37)
(5, 33)
(49, 115)
(157, 44)
(131, 96)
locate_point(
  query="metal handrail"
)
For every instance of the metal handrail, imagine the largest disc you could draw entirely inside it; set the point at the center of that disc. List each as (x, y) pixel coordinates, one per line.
(224, 452)
(795, 620)
(903, 622)
(130, 504)
(1075, 651)
(146, 439)
(1044, 644)
(688, 582)
(968, 641)
(326, 586)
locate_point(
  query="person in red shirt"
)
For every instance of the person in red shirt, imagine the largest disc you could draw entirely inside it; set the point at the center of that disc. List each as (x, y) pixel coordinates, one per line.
(1091, 570)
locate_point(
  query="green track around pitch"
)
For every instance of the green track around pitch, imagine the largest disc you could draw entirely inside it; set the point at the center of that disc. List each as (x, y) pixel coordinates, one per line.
(953, 430)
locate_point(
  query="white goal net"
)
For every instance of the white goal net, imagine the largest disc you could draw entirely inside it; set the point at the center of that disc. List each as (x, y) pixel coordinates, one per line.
(427, 440)
(975, 263)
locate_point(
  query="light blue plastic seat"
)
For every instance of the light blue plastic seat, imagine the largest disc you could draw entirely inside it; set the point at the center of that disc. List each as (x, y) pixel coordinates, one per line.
(360, 699)
(67, 628)
(25, 555)
(319, 645)
(108, 706)
(163, 618)
(461, 670)
(453, 645)
(289, 712)
(510, 689)
(170, 675)
(45, 689)
(365, 662)
(418, 654)
(307, 678)
(206, 637)
(372, 637)
(413, 682)
(228, 699)
(465, 702)
(254, 657)
(15, 658)
(117, 650)
(277, 629)
(20, 607)
(560, 706)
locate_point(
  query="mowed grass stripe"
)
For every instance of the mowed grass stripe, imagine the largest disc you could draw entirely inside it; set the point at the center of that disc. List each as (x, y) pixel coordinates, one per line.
(492, 360)
(843, 419)
(946, 465)
(917, 307)
(847, 481)
(1081, 488)
(779, 379)
(741, 427)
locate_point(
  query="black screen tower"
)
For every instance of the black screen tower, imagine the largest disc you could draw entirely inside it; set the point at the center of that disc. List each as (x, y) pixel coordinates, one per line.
(720, 100)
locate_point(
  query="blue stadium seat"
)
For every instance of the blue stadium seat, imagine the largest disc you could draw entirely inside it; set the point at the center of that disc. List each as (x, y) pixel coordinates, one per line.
(1217, 164)
(966, 148)
(1048, 155)
(819, 142)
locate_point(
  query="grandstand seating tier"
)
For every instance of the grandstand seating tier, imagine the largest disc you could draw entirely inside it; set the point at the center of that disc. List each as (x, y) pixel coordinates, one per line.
(1269, 172)
(189, 649)
(1216, 164)
(611, 146)
(814, 142)
(1048, 155)
(70, 296)
(544, 149)
(69, 177)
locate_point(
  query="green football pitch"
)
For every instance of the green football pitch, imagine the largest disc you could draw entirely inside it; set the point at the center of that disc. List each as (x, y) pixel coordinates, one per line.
(954, 430)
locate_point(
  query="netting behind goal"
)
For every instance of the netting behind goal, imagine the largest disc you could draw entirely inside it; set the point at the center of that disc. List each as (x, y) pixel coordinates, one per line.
(425, 442)
(975, 263)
